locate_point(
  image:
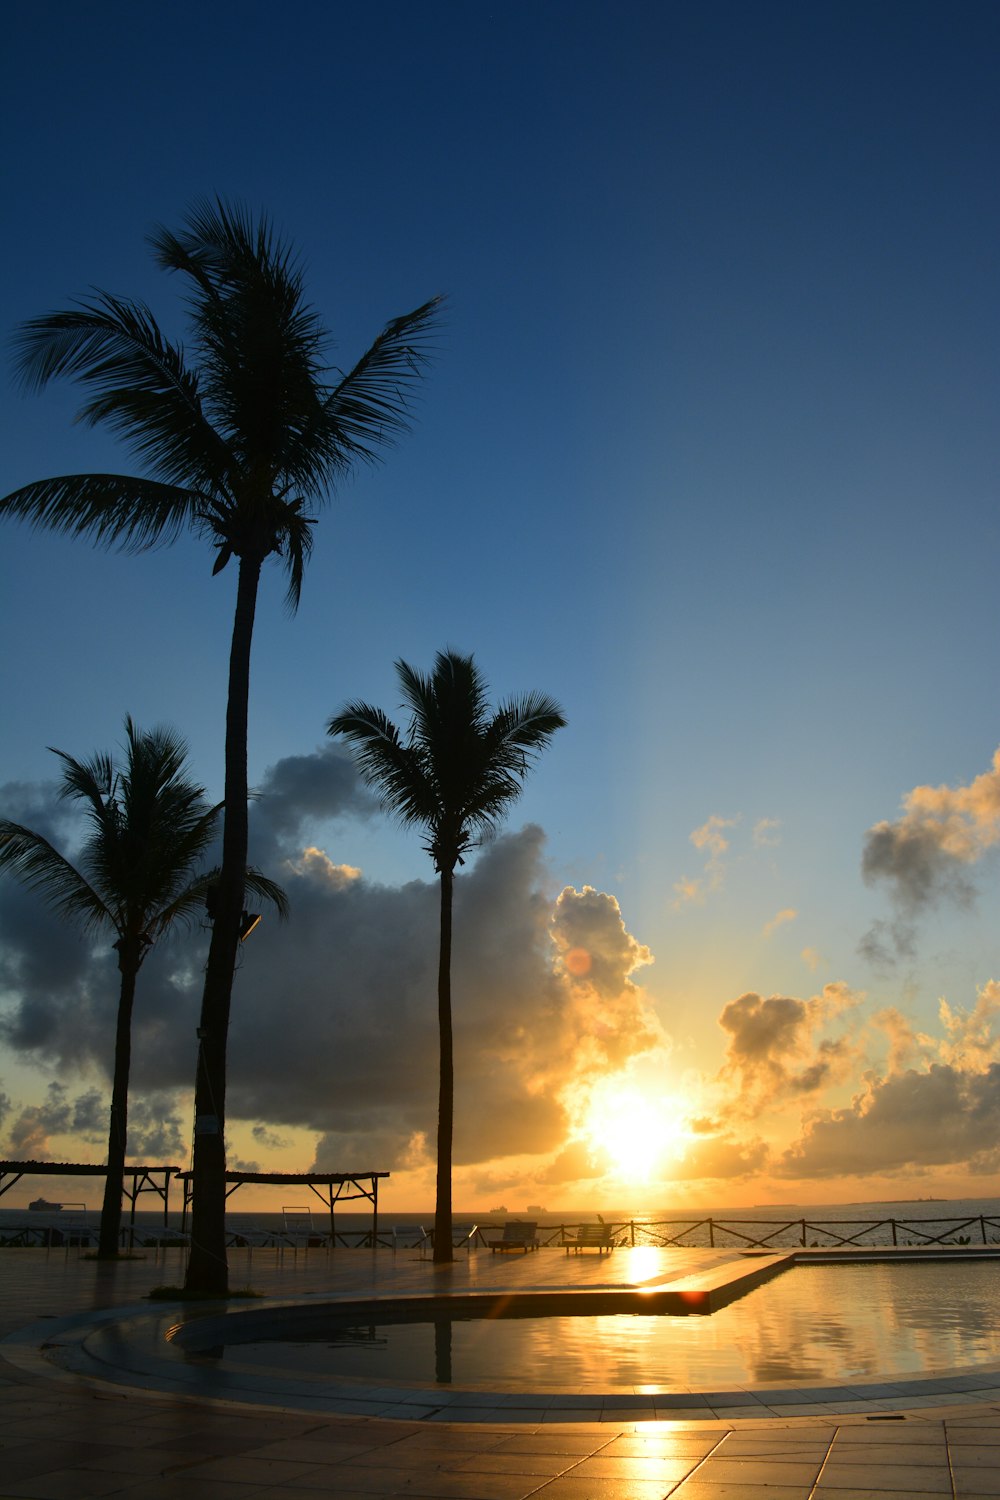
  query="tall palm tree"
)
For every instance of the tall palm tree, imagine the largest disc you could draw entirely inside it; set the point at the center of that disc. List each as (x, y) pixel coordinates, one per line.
(454, 772)
(148, 825)
(236, 436)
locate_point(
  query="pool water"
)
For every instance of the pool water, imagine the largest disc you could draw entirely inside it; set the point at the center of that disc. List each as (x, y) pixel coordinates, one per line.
(814, 1324)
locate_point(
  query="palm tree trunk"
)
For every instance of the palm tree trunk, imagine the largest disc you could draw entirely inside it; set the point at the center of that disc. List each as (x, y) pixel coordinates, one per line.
(443, 1249)
(208, 1270)
(111, 1212)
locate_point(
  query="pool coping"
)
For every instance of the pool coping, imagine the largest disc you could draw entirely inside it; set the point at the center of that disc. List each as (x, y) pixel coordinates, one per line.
(142, 1347)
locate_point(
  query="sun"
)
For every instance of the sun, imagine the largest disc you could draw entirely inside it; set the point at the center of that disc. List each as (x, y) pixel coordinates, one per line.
(637, 1133)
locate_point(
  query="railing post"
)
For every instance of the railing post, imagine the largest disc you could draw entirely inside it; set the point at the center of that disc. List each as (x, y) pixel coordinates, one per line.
(711, 1234)
(982, 1228)
(631, 1226)
(803, 1233)
(893, 1224)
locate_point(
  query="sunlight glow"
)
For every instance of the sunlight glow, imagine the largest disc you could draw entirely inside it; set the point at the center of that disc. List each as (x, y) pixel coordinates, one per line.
(638, 1133)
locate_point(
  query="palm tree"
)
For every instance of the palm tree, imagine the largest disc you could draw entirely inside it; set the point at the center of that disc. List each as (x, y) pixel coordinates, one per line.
(148, 827)
(235, 439)
(454, 772)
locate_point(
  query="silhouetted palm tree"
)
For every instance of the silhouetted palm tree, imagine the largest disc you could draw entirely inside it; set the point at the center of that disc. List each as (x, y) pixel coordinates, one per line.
(149, 825)
(454, 772)
(236, 436)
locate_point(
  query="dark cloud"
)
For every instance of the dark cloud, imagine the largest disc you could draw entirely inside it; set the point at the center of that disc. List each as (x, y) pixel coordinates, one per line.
(773, 1052)
(155, 1130)
(242, 1164)
(885, 943)
(334, 1017)
(336, 1027)
(920, 867)
(306, 791)
(269, 1139)
(909, 1121)
(925, 857)
(85, 1116)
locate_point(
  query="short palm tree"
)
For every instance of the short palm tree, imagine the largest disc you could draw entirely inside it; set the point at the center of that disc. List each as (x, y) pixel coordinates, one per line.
(149, 826)
(236, 435)
(454, 772)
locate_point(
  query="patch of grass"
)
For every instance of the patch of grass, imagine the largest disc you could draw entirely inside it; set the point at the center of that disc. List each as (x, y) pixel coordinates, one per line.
(178, 1294)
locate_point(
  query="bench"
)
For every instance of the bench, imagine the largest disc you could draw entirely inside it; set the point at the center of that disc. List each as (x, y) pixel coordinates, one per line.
(518, 1234)
(590, 1237)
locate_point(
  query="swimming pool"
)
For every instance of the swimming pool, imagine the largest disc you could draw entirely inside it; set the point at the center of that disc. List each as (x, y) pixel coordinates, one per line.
(811, 1325)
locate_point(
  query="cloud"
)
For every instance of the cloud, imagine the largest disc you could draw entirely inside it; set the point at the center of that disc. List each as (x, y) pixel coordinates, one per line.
(936, 1103)
(334, 1017)
(910, 1120)
(269, 1139)
(925, 855)
(787, 914)
(773, 1051)
(711, 839)
(155, 1130)
(886, 942)
(765, 833)
(811, 958)
(722, 1157)
(969, 1042)
(86, 1117)
(303, 791)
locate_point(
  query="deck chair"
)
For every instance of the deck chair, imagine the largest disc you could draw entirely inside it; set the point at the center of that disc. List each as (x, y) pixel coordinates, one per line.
(297, 1228)
(73, 1225)
(590, 1237)
(408, 1236)
(518, 1234)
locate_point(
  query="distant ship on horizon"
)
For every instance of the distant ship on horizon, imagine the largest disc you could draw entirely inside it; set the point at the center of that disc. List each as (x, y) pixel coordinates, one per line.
(42, 1205)
(501, 1208)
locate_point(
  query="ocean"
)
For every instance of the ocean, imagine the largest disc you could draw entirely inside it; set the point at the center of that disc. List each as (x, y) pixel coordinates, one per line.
(916, 1221)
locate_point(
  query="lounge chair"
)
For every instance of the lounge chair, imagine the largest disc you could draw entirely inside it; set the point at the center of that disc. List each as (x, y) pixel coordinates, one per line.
(590, 1237)
(72, 1229)
(297, 1228)
(518, 1234)
(408, 1237)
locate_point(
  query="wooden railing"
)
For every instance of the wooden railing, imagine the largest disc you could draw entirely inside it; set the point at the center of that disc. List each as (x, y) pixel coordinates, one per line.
(776, 1234)
(692, 1233)
(717, 1234)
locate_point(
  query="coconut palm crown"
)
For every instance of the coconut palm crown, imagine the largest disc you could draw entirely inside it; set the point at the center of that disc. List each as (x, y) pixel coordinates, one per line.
(454, 772)
(148, 827)
(236, 433)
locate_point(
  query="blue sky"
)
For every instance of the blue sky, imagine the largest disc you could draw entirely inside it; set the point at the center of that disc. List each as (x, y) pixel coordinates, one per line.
(708, 452)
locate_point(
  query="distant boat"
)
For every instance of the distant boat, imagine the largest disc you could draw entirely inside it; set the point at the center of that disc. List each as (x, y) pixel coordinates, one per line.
(534, 1208)
(43, 1206)
(501, 1208)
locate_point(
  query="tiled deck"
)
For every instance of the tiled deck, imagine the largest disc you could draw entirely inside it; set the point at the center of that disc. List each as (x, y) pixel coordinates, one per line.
(143, 1434)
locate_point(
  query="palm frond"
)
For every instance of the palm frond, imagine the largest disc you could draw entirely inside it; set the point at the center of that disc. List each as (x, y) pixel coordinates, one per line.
(458, 768)
(36, 864)
(192, 901)
(370, 406)
(142, 388)
(386, 764)
(257, 884)
(108, 509)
